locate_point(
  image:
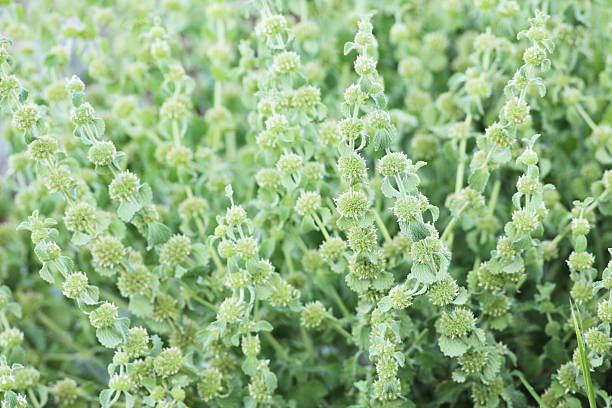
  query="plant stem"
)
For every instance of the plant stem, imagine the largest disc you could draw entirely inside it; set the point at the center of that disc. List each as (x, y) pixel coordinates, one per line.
(307, 345)
(383, 228)
(279, 349)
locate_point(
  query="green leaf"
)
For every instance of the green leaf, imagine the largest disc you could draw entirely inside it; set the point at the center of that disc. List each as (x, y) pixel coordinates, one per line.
(46, 275)
(81, 239)
(90, 295)
(422, 273)
(127, 209)
(478, 179)
(140, 306)
(109, 337)
(263, 325)
(452, 347)
(105, 397)
(249, 366)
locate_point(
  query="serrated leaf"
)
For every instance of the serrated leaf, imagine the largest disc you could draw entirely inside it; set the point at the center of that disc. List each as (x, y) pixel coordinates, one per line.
(422, 273)
(452, 347)
(109, 337)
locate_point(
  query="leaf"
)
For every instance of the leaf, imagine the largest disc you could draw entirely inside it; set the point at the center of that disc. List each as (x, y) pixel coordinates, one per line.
(77, 99)
(249, 366)
(81, 239)
(127, 209)
(157, 233)
(46, 275)
(140, 306)
(422, 273)
(105, 397)
(263, 325)
(478, 179)
(349, 46)
(130, 400)
(388, 190)
(90, 295)
(109, 337)
(452, 347)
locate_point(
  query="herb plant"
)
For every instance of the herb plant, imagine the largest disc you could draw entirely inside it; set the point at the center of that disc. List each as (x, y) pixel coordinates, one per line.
(305, 203)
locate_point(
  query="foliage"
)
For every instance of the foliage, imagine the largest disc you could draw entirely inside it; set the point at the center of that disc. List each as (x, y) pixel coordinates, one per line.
(305, 203)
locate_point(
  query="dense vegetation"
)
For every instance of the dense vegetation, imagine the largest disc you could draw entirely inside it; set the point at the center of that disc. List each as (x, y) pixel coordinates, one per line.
(323, 203)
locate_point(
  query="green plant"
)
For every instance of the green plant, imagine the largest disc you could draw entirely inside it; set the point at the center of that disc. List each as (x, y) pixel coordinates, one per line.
(303, 204)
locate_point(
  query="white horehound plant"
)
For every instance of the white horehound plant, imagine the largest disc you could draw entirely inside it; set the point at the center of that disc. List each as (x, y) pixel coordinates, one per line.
(305, 203)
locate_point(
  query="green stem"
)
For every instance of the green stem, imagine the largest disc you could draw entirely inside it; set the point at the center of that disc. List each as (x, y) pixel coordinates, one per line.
(452, 222)
(585, 116)
(461, 166)
(383, 228)
(279, 349)
(529, 388)
(307, 345)
(320, 225)
(336, 326)
(50, 324)
(339, 301)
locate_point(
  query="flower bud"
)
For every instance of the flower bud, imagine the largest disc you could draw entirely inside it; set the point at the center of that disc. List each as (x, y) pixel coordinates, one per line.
(168, 362)
(104, 316)
(312, 315)
(75, 285)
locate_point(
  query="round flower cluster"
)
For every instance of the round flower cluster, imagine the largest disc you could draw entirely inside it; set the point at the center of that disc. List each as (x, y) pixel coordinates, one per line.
(597, 340)
(443, 292)
(42, 149)
(365, 65)
(11, 338)
(210, 385)
(283, 293)
(230, 311)
(137, 342)
(79, 217)
(350, 128)
(400, 297)
(410, 207)
(308, 203)
(289, 163)
(580, 261)
(393, 164)
(332, 248)
(250, 345)
(123, 186)
(108, 252)
(352, 204)
(193, 207)
(104, 316)
(168, 362)
(83, 115)
(175, 250)
(75, 285)
(102, 153)
(246, 247)
(26, 116)
(352, 168)
(457, 323)
(312, 315)
(362, 239)
(272, 26)
(286, 62)
(134, 282)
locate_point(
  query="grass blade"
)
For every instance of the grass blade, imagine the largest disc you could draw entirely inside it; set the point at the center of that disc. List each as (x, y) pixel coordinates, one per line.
(584, 361)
